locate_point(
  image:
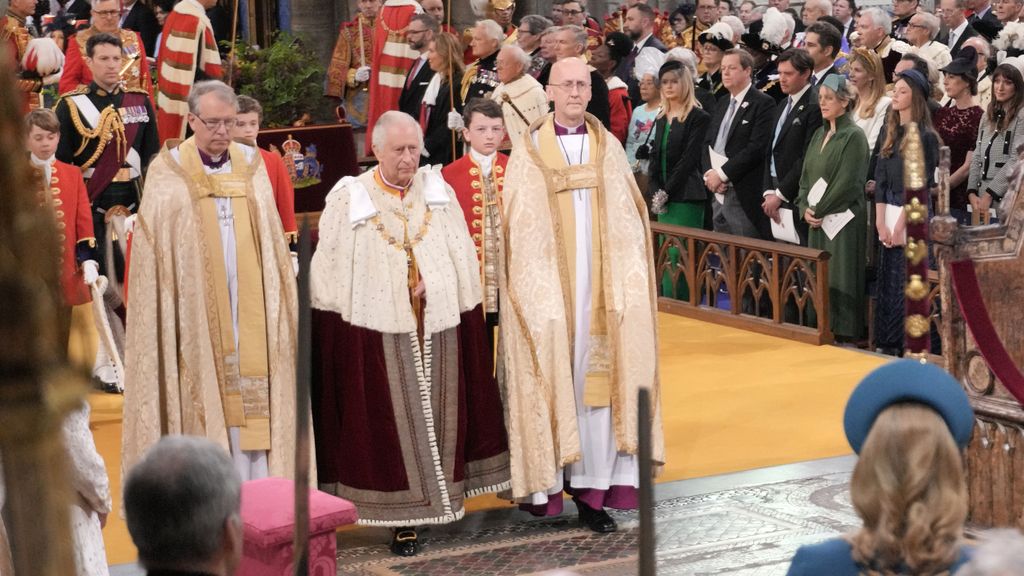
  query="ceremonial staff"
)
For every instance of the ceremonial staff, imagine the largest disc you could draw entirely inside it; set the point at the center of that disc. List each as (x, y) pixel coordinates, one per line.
(507, 98)
(234, 38)
(648, 564)
(303, 360)
(915, 185)
(451, 85)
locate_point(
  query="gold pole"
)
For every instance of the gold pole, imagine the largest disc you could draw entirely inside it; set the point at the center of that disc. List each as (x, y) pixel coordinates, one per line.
(234, 38)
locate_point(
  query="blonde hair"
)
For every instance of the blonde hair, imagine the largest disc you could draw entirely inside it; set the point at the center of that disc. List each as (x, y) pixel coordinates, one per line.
(908, 488)
(872, 64)
(681, 108)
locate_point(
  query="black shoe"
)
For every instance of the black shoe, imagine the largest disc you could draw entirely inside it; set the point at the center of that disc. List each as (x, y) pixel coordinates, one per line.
(108, 387)
(597, 520)
(404, 542)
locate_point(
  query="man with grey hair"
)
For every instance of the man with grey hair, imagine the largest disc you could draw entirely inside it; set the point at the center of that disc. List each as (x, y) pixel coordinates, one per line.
(571, 42)
(481, 77)
(182, 504)
(958, 29)
(873, 29)
(531, 30)
(408, 417)
(921, 33)
(521, 97)
(211, 330)
(984, 51)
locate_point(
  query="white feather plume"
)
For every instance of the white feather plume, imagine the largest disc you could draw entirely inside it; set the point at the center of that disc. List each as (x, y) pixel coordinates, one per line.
(1011, 36)
(720, 30)
(43, 57)
(481, 8)
(778, 27)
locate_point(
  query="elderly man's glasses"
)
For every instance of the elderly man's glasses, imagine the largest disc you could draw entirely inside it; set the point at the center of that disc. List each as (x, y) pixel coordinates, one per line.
(106, 13)
(216, 124)
(570, 86)
(572, 12)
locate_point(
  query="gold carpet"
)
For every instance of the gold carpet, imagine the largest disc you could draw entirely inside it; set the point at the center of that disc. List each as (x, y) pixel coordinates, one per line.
(731, 400)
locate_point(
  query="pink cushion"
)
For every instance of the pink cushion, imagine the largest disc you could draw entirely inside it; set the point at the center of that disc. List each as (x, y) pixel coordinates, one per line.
(268, 512)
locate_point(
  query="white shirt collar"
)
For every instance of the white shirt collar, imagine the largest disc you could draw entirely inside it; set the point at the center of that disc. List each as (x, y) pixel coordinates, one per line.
(743, 94)
(640, 43)
(36, 161)
(818, 75)
(959, 30)
(485, 162)
(796, 97)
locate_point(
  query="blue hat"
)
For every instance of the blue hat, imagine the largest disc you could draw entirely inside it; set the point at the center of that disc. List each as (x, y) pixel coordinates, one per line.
(916, 80)
(907, 381)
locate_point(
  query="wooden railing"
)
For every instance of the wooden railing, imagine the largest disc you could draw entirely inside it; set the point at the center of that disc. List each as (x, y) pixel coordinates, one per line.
(767, 287)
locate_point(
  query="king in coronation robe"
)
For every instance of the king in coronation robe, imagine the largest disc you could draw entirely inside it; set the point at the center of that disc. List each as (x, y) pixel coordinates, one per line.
(408, 416)
(212, 320)
(348, 74)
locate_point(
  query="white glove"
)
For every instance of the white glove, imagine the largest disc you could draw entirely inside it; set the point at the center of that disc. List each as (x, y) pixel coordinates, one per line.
(43, 57)
(90, 272)
(363, 74)
(129, 224)
(455, 121)
(52, 78)
(295, 263)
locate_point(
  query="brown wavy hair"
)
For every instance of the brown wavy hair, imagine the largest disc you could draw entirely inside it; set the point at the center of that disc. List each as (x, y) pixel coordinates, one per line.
(450, 50)
(1000, 115)
(909, 489)
(919, 113)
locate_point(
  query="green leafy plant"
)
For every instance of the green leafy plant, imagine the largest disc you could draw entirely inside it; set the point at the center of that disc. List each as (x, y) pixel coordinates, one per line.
(286, 78)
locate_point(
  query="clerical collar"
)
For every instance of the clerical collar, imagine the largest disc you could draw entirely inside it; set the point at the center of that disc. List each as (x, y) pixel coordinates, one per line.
(570, 131)
(485, 162)
(211, 162)
(101, 91)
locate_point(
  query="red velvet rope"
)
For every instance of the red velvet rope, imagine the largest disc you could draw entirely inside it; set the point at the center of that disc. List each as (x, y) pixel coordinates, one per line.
(972, 306)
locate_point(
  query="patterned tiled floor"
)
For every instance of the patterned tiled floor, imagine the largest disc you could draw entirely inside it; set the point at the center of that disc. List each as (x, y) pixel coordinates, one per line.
(749, 531)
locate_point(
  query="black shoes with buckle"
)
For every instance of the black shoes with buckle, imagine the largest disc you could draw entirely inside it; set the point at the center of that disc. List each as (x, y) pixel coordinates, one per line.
(404, 542)
(597, 520)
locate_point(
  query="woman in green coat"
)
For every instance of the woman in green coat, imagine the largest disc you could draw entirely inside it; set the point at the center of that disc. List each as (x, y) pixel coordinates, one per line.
(838, 154)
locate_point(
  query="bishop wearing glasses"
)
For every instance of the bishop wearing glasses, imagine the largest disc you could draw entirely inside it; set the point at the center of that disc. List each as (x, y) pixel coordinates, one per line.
(577, 230)
(212, 312)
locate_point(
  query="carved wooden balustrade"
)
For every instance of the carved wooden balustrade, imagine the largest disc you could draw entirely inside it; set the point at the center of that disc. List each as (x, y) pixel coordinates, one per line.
(768, 287)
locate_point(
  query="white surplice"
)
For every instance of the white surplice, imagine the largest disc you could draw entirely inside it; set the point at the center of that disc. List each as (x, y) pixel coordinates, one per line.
(251, 464)
(601, 465)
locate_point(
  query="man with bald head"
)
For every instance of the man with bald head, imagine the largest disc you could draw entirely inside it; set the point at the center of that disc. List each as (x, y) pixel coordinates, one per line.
(578, 329)
(396, 290)
(521, 97)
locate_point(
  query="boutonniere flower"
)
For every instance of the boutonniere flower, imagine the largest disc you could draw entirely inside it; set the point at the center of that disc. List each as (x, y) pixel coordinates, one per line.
(744, 105)
(796, 121)
(800, 108)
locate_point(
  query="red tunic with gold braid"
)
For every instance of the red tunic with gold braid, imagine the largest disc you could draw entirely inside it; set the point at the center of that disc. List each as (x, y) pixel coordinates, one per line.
(15, 38)
(284, 192)
(482, 215)
(350, 52)
(76, 73)
(65, 194)
(188, 53)
(391, 60)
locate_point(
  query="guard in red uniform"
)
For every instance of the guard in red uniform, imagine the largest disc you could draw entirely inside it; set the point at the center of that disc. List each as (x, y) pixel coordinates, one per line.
(477, 179)
(62, 191)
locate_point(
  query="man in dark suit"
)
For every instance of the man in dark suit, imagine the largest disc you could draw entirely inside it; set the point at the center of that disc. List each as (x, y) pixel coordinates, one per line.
(418, 34)
(740, 130)
(795, 120)
(958, 29)
(822, 42)
(639, 26)
(139, 17)
(982, 10)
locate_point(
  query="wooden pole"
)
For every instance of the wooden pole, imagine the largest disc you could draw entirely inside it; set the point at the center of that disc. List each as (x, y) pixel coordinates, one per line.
(229, 80)
(451, 86)
(303, 361)
(648, 563)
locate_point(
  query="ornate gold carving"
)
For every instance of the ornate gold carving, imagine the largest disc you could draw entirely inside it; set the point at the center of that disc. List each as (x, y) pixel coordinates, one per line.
(917, 213)
(916, 288)
(914, 177)
(916, 250)
(917, 325)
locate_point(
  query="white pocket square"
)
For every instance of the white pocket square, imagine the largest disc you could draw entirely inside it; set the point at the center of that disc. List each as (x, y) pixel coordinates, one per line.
(745, 122)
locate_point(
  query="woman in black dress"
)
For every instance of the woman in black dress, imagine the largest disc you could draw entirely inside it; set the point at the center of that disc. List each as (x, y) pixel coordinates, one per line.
(440, 146)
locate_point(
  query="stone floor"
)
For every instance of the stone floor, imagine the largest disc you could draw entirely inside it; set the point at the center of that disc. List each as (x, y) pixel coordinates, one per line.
(748, 523)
